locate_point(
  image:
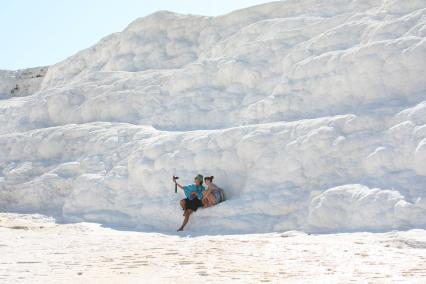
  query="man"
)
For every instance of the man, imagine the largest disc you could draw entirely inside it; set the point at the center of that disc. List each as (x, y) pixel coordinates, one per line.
(194, 195)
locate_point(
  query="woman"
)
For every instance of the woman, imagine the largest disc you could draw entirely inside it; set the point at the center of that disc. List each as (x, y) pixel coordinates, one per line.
(194, 194)
(213, 195)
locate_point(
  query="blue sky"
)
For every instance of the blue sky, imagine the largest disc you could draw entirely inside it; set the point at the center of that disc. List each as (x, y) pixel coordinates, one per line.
(43, 32)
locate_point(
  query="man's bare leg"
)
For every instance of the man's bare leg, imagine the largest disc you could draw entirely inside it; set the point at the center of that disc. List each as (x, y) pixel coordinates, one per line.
(187, 213)
(183, 205)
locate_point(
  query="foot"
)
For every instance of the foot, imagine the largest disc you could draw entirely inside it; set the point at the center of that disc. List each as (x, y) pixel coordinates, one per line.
(180, 229)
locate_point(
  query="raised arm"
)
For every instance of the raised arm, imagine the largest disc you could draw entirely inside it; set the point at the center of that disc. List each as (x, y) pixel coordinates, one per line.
(180, 186)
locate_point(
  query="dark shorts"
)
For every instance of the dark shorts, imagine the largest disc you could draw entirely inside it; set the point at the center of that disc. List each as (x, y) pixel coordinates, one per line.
(193, 204)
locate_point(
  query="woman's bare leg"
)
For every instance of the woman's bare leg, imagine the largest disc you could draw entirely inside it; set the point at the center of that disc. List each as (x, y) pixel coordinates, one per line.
(185, 221)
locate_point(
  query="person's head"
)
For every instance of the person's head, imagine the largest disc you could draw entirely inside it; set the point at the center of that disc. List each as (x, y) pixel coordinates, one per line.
(209, 179)
(198, 180)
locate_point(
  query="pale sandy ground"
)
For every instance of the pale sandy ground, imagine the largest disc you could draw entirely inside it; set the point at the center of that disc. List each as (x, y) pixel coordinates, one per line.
(34, 249)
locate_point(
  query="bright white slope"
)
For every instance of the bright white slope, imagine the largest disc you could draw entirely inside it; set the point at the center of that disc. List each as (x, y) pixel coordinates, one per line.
(21, 83)
(310, 114)
(35, 249)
